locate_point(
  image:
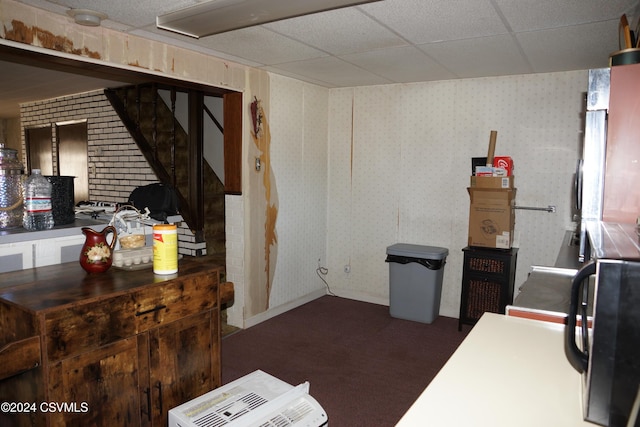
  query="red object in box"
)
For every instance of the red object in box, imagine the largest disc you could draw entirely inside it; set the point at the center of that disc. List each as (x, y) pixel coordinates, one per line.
(504, 162)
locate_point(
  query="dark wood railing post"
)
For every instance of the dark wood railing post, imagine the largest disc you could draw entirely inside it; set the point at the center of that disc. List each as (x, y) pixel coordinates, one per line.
(173, 136)
(196, 158)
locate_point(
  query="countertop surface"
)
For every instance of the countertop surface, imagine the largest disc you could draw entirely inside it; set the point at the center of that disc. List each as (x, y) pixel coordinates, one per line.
(614, 241)
(63, 285)
(19, 234)
(16, 235)
(549, 288)
(507, 372)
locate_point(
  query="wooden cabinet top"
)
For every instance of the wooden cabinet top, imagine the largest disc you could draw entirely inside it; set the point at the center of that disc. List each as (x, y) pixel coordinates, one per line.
(56, 286)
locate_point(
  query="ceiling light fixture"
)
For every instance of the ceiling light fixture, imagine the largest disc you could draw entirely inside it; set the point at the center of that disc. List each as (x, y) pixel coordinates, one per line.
(86, 17)
(219, 16)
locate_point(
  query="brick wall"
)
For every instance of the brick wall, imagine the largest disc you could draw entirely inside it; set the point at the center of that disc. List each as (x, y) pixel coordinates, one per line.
(116, 165)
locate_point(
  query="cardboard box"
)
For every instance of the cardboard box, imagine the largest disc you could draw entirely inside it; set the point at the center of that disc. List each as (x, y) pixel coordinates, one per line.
(496, 182)
(491, 217)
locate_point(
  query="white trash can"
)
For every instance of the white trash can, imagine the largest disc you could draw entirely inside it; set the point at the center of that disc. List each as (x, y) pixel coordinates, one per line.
(415, 281)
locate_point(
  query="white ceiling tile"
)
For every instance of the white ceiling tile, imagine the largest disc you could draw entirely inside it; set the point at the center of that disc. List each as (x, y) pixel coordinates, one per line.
(530, 15)
(333, 72)
(186, 42)
(136, 14)
(570, 48)
(260, 45)
(458, 38)
(421, 21)
(338, 31)
(400, 65)
(46, 5)
(486, 56)
(295, 75)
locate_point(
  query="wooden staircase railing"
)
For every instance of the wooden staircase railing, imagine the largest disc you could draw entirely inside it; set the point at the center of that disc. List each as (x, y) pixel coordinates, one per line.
(176, 155)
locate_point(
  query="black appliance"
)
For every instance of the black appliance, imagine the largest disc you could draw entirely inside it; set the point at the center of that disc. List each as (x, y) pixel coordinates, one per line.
(608, 352)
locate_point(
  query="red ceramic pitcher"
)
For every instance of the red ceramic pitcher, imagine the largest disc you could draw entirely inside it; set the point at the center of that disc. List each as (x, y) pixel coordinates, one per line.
(95, 256)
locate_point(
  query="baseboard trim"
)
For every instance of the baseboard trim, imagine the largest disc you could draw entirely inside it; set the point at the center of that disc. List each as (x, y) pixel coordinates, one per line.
(359, 296)
(273, 312)
(341, 293)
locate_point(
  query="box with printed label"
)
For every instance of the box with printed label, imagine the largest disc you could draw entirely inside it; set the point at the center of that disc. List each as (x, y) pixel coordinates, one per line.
(492, 181)
(491, 217)
(484, 171)
(505, 163)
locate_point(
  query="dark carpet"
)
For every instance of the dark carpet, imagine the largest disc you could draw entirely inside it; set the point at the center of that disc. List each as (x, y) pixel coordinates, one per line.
(364, 367)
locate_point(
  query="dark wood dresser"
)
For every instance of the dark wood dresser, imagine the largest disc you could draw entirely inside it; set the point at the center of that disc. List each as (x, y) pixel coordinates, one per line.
(116, 348)
(488, 277)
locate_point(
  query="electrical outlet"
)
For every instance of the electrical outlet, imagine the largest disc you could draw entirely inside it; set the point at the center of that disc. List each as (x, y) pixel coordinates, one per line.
(347, 269)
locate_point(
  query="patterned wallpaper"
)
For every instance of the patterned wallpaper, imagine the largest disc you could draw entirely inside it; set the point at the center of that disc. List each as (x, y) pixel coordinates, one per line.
(400, 160)
(298, 123)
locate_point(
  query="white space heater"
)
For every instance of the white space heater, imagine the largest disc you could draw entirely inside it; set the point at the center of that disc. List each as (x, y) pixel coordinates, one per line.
(255, 400)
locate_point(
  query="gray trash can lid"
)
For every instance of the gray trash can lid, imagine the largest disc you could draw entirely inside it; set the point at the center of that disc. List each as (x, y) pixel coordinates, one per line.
(417, 251)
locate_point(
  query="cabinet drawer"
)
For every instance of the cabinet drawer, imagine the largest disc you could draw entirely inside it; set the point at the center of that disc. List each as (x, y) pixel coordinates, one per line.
(174, 300)
(87, 326)
(483, 264)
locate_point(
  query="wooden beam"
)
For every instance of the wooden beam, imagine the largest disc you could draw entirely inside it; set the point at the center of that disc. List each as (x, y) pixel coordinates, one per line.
(233, 143)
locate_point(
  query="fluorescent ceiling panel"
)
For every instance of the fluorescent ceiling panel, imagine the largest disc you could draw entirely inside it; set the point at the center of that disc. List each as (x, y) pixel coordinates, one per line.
(220, 16)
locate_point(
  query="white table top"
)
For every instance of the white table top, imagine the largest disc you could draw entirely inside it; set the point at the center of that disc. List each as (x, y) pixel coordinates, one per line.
(507, 372)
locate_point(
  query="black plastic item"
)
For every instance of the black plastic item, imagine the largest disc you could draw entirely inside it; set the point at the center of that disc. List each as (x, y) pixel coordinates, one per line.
(160, 199)
(579, 359)
(431, 264)
(477, 161)
(62, 199)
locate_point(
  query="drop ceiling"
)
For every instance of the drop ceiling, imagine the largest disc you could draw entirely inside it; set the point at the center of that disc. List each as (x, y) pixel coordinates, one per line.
(397, 41)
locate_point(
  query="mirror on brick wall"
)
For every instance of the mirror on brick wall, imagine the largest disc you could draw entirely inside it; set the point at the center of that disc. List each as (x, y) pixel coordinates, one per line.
(72, 159)
(39, 149)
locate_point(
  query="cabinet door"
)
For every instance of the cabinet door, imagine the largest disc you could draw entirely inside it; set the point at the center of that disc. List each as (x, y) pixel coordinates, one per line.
(16, 256)
(183, 362)
(483, 294)
(98, 387)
